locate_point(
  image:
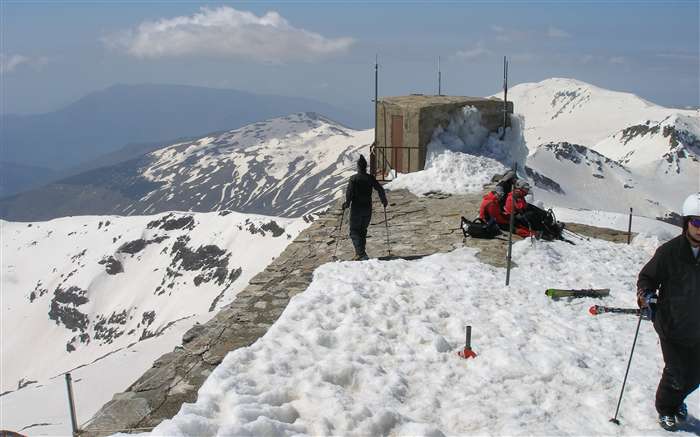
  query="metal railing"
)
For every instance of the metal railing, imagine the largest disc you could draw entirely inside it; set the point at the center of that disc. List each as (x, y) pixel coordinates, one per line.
(386, 164)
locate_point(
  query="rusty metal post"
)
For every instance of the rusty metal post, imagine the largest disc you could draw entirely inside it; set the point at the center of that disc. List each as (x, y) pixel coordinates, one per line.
(71, 405)
(629, 228)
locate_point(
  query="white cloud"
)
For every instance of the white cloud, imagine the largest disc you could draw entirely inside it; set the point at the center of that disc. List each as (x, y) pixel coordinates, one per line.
(553, 32)
(509, 35)
(8, 63)
(479, 51)
(226, 32)
(617, 60)
(679, 56)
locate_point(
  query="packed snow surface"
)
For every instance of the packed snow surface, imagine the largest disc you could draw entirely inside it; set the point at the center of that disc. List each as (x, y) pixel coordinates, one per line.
(370, 349)
(464, 156)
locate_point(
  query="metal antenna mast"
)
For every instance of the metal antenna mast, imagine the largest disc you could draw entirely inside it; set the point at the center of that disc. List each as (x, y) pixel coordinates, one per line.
(439, 78)
(505, 97)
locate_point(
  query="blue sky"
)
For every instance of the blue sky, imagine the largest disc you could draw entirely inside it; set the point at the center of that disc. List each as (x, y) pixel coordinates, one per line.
(55, 52)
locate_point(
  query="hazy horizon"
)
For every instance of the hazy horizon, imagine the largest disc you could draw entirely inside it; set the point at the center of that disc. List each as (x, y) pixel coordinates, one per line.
(326, 51)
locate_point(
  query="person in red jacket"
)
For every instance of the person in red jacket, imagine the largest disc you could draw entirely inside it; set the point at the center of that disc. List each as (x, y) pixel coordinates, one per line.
(490, 208)
(518, 207)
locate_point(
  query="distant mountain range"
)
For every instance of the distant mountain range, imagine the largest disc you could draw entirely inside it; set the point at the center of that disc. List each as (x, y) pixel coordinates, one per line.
(108, 120)
(646, 157)
(287, 166)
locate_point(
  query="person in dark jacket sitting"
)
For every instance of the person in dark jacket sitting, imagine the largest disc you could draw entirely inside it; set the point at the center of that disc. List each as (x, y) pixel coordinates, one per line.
(674, 271)
(358, 196)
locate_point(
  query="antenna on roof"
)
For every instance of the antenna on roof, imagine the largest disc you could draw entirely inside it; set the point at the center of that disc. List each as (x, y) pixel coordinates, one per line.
(439, 78)
(505, 97)
(376, 96)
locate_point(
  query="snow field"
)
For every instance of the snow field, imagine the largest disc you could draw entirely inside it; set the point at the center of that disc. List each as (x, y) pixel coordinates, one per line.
(370, 349)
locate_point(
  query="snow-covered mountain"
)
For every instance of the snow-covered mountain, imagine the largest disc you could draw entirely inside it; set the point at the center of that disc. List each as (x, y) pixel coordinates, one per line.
(630, 152)
(561, 109)
(575, 176)
(76, 290)
(286, 166)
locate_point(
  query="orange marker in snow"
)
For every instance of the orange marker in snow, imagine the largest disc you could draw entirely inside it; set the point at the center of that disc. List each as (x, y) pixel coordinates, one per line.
(467, 352)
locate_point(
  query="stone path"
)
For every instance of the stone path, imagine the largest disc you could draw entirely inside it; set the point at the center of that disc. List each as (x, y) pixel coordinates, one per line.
(418, 226)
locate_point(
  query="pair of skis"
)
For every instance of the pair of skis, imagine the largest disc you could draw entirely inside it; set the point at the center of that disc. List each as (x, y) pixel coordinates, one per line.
(558, 293)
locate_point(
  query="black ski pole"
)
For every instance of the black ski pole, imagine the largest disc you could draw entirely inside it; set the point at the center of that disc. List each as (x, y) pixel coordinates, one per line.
(386, 223)
(511, 226)
(337, 237)
(639, 322)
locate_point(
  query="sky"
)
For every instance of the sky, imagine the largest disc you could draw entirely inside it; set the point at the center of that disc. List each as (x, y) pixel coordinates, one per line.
(53, 53)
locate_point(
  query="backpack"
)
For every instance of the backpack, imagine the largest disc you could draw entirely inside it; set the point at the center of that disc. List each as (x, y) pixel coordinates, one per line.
(480, 229)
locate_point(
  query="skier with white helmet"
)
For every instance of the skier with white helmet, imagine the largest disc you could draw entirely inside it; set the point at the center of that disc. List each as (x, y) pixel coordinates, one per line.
(669, 290)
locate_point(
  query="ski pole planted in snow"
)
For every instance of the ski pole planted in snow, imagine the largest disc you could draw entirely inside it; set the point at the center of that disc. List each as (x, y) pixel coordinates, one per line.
(629, 228)
(71, 405)
(386, 223)
(511, 227)
(467, 352)
(636, 333)
(337, 237)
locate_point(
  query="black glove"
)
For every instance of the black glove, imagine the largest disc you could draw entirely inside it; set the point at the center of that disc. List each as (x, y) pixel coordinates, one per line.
(385, 202)
(646, 299)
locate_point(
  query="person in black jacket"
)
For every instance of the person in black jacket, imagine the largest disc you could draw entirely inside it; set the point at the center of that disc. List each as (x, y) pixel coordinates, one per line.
(674, 271)
(358, 196)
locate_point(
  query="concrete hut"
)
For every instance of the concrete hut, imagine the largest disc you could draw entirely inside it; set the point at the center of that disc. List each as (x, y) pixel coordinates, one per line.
(405, 126)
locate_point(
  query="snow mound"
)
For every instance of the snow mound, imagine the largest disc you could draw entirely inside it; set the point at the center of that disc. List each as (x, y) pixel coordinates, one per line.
(464, 156)
(369, 349)
(450, 172)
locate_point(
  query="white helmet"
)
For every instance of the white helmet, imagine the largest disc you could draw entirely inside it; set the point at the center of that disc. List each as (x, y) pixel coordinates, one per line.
(691, 206)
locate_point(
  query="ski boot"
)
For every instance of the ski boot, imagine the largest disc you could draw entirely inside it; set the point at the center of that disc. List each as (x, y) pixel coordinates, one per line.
(668, 423)
(682, 413)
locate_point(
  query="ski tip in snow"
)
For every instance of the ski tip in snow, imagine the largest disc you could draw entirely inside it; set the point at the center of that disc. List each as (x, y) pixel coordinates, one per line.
(556, 293)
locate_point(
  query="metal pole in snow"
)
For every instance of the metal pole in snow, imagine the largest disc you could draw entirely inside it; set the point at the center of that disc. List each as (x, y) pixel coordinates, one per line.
(629, 228)
(511, 227)
(71, 405)
(617, 410)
